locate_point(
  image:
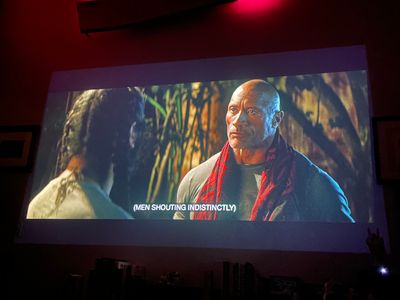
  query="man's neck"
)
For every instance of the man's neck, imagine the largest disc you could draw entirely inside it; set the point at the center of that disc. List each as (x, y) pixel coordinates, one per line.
(250, 156)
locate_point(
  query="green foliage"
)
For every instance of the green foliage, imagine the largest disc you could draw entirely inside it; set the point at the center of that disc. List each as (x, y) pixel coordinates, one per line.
(175, 118)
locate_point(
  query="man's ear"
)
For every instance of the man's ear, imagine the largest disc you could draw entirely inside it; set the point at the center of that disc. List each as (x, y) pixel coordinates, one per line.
(277, 118)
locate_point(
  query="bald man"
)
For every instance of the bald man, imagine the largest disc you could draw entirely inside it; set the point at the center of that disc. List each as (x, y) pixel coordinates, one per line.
(257, 175)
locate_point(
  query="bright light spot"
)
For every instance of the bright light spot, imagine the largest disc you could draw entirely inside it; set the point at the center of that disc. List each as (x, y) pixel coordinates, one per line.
(383, 270)
(254, 6)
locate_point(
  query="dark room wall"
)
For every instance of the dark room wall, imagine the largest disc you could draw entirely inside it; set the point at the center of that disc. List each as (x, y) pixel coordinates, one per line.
(39, 37)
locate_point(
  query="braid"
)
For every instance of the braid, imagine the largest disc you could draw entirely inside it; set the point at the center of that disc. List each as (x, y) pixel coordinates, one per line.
(71, 144)
(87, 119)
(61, 152)
(72, 140)
(96, 133)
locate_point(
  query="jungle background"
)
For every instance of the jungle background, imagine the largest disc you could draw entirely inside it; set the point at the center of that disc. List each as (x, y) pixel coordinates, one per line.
(326, 118)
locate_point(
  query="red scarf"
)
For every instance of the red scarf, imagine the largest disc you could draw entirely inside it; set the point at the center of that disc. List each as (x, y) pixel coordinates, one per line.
(276, 182)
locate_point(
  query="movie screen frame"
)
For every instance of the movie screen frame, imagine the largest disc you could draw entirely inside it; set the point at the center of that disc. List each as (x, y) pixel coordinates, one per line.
(324, 94)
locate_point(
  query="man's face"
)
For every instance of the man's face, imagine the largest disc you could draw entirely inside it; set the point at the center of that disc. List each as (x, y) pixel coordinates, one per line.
(248, 122)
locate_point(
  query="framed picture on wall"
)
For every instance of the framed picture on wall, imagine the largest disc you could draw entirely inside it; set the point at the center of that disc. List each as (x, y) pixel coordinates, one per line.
(17, 146)
(387, 148)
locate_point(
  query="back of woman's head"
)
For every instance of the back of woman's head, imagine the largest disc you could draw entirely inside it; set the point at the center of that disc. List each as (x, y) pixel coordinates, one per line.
(97, 131)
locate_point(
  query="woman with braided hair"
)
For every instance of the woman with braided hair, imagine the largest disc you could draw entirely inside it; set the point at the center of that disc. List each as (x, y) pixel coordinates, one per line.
(95, 154)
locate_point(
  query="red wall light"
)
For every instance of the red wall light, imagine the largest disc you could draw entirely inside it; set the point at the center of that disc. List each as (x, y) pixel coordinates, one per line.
(251, 7)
